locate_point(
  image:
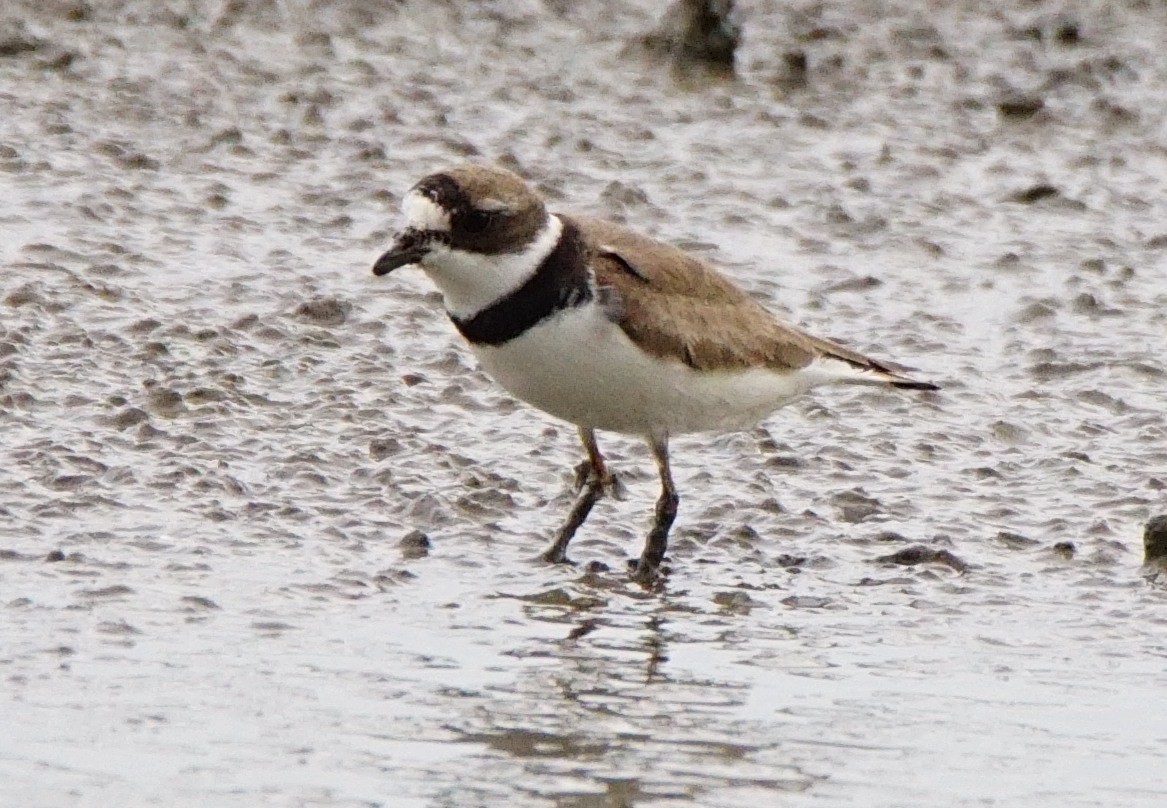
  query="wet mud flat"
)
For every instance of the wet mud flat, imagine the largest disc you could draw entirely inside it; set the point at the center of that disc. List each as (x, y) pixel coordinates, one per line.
(269, 534)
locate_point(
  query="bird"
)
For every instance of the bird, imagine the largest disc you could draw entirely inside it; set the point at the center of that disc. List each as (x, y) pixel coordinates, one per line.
(608, 329)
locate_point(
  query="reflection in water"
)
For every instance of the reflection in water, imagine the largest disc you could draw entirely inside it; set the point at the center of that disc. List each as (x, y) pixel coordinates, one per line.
(606, 719)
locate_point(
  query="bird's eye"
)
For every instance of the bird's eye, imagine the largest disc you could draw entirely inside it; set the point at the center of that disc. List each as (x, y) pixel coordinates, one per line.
(475, 220)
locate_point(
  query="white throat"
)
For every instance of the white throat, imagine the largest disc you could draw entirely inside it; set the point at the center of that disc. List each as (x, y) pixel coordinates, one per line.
(470, 281)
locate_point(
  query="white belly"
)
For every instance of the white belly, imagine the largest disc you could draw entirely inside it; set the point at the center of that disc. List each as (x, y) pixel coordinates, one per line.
(579, 366)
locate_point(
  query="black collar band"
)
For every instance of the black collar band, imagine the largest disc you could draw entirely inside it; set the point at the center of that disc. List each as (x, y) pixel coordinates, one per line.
(560, 282)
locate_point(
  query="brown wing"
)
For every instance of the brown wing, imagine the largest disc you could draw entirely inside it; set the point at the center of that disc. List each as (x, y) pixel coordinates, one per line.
(678, 307)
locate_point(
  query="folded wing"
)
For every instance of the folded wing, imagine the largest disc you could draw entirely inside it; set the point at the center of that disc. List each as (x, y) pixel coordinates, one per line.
(675, 306)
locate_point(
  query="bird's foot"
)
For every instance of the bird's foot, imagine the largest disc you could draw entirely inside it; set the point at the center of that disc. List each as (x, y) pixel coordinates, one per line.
(614, 487)
(644, 573)
(555, 555)
(611, 485)
(583, 473)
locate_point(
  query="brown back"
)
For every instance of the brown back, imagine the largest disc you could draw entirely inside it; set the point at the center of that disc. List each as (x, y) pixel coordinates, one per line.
(676, 306)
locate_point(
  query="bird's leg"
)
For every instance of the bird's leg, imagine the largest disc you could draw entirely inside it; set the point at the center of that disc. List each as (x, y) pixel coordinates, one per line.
(596, 467)
(592, 481)
(666, 511)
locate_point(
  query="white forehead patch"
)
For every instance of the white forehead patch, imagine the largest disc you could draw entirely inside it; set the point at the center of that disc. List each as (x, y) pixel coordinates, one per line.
(423, 213)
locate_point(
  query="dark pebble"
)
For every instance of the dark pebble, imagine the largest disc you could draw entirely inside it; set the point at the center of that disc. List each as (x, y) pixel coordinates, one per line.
(797, 67)
(1015, 541)
(17, 45)
(1155, 539)
(1067, 33)
(1019, 107)
(139, 160)
(324, 311)
(80, 11)
(131, 416)
(414, 544)
(199, 602)
(380, 449)
(697, 31)
(734, 602)
(1035, 193)
(855, 506)
(917, 554)
(1007, 261)
(621, 194)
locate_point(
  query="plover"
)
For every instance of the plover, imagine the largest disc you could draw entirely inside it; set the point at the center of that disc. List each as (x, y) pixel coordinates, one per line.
(608, 329)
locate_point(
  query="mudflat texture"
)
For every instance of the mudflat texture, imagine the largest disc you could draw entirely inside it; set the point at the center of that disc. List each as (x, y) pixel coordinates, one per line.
(268, 535)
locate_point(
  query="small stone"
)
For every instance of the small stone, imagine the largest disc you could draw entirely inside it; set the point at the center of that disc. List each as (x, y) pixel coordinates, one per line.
(797, 68)
(414, 544)
(80, 11)
(917, 554)
(621, 194)
(135, 159)
(203, 395)
(131, 416)
(734, 602)
(1020, 107)
(145, 326)
(806, 602)
(199, 603)
(380, 449)
(164, 401)
(855, 506)
(1155, 539)
(697, 31)
(1015, 541)
(1039, 310)
(18, 44)
(1035, 193)
(325, 311)
(25, 295)
(1067, 33)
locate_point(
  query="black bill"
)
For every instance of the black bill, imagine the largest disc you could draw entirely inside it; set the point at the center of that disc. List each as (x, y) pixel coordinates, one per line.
(408, 248)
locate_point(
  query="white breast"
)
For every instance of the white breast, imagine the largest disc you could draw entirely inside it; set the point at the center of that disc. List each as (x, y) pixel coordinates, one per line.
(579, 366)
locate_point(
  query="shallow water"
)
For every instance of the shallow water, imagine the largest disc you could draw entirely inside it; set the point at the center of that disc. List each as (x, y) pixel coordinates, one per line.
(218, 426)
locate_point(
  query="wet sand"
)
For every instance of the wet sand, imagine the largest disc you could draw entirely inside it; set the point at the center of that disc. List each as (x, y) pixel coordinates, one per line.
(223, 438)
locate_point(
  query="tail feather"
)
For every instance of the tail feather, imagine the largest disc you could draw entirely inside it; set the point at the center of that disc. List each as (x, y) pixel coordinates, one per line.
(855, 368)
(855, 374)
(912, 384)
